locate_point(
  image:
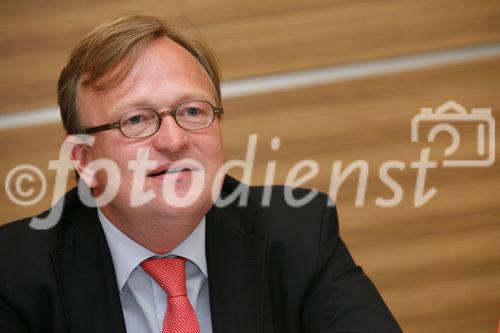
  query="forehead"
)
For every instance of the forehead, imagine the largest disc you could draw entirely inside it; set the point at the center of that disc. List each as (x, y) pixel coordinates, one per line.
(165, 73)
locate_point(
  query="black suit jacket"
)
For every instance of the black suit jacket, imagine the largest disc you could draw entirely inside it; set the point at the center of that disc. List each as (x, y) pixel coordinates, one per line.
(274, 269)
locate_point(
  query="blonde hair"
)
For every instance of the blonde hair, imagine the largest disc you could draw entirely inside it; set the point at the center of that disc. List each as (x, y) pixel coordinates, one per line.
(119, 43)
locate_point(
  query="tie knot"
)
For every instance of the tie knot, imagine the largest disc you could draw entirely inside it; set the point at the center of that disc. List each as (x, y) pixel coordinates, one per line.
(169, 273)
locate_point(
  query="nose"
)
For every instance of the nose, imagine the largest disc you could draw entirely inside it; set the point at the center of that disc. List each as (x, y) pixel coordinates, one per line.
(170, 137)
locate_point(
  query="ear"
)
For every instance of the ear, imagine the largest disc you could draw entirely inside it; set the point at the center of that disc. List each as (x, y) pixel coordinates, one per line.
(81, 156)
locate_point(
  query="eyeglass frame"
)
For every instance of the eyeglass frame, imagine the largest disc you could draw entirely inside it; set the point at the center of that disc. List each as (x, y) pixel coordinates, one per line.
(216, 111)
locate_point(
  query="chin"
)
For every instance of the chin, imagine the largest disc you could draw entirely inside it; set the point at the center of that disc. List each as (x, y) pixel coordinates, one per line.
(169, 212)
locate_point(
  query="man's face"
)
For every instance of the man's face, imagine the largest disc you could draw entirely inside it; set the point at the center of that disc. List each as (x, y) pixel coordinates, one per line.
(164, 76)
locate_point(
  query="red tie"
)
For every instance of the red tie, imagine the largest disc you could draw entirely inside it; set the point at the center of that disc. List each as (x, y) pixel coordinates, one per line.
(169, 273)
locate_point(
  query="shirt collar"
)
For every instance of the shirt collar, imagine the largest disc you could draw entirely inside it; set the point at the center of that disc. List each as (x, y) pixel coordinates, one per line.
(127, 254)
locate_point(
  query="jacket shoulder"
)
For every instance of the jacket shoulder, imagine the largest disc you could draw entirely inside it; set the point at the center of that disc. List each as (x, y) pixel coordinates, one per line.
(293, 213)
(275, 196)
(18, 236)
(22, 236)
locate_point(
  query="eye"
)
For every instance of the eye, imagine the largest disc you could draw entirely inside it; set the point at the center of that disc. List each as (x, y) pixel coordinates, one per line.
(134, 119)
(194, 115)
(137, 118)
(192, 111)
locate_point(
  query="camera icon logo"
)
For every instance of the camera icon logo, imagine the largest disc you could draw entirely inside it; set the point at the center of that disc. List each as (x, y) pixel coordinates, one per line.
(445, 118)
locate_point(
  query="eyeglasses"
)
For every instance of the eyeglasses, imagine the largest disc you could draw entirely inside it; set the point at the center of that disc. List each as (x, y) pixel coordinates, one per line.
(141, 123)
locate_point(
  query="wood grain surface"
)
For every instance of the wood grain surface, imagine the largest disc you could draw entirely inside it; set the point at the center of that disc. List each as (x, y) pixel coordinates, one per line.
(249, 37)
(436, 265)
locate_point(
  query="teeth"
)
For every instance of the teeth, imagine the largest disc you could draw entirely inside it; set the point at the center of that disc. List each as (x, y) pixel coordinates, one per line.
(171, 170)
(174, 170)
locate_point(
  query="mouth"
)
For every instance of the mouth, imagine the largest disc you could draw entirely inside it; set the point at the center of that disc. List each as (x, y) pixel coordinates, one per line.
(168, 171)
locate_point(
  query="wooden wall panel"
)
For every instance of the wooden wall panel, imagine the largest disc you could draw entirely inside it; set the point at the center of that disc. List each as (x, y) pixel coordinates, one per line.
(438, 265)
(35, 146)
(250, 38)
(37, 40)
(323, 33)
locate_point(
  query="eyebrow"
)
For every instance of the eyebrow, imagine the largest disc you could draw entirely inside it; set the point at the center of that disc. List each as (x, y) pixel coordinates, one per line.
(144, 102)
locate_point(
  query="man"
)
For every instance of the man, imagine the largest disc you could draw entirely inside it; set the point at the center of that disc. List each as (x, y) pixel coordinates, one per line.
(144, 262)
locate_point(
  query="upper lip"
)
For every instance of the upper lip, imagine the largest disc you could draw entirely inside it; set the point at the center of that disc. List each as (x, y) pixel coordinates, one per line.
(172, 166)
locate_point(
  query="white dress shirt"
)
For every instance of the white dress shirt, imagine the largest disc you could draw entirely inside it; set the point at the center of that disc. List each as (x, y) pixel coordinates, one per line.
(143, 301)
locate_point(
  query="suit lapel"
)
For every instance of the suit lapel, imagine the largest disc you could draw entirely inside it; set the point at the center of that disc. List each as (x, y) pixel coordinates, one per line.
(86, 276)
(235, 260)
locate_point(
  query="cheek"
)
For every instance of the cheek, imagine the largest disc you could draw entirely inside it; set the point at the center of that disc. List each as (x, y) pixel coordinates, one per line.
(210, 151)
(113, 152)
(215, 137)
(213, 147)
